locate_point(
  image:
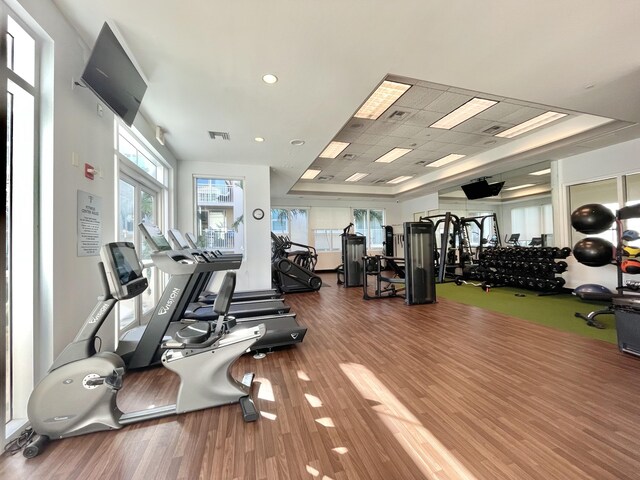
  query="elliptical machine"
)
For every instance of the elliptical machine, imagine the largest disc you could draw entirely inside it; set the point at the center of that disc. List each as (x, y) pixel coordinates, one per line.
(78, 395)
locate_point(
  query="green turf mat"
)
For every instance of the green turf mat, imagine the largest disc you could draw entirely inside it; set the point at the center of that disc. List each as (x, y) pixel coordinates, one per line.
(556, 311)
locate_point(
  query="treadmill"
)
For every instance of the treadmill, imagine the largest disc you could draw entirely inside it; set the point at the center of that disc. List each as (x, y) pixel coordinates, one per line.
(188, 241)
(203, 311)
(139, 347)
(282, 328)
(208, 297)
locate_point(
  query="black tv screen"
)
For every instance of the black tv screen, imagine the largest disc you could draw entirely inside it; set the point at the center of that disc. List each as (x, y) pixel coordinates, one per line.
(481, 189)
(111, 75)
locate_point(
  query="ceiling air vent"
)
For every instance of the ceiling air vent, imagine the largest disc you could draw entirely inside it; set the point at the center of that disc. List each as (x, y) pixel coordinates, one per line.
(326, 177)
(397, 115)
(380, 181)
(492, 130)
(216, 135)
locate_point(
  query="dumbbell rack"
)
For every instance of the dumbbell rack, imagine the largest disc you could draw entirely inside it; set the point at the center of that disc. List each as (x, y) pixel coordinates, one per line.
(531, 268)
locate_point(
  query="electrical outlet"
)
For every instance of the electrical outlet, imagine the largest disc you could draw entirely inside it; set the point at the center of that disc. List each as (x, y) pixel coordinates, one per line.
(74, 159)
(100, 110)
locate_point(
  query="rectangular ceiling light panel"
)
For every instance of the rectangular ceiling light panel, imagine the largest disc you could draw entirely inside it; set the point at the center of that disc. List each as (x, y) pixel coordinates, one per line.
(333, 149)
(526, 185)
(310, 174)
(384, 96)
(464, 112)
(532, 124)
(394, 154)
(356, 176)
(541, 172)
(399, 179)
(452, 157)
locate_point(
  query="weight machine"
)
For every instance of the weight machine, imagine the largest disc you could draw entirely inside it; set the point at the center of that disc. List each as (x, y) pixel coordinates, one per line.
(354, 248)
(413, 276)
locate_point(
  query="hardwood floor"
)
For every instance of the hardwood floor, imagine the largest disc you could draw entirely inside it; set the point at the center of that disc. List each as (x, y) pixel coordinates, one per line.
(381, 390)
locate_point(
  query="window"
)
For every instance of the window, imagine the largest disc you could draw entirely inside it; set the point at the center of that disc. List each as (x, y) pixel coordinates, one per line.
(327, 240)
(219, 222)
(142, 194)
(604, 192)
(292, 222)
(369, 222)
(532, 221)
(21, 187)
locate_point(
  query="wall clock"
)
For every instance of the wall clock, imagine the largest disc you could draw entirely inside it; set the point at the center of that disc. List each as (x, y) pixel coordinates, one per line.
(258, 214)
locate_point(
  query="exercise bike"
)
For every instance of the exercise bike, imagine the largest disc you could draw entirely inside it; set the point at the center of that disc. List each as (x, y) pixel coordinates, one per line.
(78, 395)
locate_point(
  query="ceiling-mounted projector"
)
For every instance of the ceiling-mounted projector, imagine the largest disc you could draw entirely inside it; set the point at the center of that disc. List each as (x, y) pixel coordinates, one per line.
(481, 189)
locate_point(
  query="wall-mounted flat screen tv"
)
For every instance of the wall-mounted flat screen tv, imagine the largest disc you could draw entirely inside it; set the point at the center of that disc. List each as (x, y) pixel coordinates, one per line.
(111, 75)
(481, 189)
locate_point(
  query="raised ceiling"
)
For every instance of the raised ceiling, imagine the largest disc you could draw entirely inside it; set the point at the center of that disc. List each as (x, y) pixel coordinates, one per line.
(205, 61)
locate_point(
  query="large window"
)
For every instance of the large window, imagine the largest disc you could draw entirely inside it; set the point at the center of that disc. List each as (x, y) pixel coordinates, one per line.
(531, 222)
(369, 222)
(142, 194)
(219, 222)
(22, 96)
(291, 222)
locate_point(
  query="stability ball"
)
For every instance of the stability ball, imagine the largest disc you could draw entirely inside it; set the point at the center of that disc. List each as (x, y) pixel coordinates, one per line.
(593, 252)
(592, 218)
(591, 289)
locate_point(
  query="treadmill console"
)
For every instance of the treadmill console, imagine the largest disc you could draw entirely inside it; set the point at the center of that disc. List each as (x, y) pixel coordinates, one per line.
(154, 237)
(123, 270)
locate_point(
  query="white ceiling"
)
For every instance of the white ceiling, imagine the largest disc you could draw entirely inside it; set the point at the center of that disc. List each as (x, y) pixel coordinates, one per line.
(205, 60)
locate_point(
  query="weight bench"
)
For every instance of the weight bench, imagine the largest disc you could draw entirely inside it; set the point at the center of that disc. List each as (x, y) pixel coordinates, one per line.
(394, 284)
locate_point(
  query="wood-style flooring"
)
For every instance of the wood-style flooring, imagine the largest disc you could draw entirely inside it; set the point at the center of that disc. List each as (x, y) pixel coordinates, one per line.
(381, 390)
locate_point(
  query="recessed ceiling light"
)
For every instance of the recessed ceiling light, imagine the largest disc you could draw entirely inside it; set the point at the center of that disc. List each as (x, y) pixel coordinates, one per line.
(399, 179)
(333, 149)
(269, 78)
(297, 143)
(521, 186)
(464, 112)
(310, 174)
(394, 154)
(356, 176)
(541, 172)
(529, 125)
(452, 157)
(259, 139)
(384, 96)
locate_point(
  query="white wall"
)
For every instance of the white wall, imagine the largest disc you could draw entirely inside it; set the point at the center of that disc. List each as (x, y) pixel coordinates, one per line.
(255, 271)
(69, 284)
(607, 162)
(420, 204)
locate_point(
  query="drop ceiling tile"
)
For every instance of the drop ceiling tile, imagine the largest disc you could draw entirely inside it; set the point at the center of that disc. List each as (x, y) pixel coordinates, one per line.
(448, 102)
(475, 125)
(357, 148)
(425, 118)
(389, 141)
(367, 139)
(522, 115)
(418, 97)
(499, 111)
(382, 127)
(406, 131)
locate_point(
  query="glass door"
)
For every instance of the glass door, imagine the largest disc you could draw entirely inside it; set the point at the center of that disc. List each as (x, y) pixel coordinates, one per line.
(137, 203)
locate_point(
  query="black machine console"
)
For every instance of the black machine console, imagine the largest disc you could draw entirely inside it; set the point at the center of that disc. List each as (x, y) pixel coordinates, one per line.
(123, 270)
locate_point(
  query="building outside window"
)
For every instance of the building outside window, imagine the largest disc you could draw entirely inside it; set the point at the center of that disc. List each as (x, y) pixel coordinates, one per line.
(219, 222)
